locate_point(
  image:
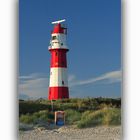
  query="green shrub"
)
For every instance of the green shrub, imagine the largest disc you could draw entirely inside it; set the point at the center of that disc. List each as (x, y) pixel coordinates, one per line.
(67, 106)
(112, 117)
(72, 116)
(108, 116)
(28, 119)
(102, 111)
(31, 107)
(41, 116)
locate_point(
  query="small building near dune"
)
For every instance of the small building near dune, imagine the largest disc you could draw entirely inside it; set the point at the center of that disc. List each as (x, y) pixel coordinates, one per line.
(59, 118)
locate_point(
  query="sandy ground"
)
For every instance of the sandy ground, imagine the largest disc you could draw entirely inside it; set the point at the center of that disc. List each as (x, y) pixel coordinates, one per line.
(71, 133)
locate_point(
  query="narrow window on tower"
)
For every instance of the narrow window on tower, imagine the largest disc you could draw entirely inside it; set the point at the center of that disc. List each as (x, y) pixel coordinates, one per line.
(63, 64)
(62, 82)
(53, 37)
(56, 53)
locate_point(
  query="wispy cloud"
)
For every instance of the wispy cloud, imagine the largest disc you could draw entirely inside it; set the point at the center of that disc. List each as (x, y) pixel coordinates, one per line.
(109, 77)
(36, 85)
(32, 76)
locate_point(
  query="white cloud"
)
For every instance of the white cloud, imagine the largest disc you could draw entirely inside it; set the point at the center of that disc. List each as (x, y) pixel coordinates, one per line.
(110, 77)
(32, 76)
(71, 78)
(34, 85)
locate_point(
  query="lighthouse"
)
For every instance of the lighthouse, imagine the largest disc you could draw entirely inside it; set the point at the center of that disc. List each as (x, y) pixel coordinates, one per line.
(58, 86)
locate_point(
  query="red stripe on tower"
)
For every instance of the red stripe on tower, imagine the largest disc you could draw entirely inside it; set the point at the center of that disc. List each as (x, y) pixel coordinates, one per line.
(58, 87)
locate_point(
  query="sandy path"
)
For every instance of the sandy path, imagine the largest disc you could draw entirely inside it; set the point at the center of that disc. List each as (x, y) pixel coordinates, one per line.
(69, 133)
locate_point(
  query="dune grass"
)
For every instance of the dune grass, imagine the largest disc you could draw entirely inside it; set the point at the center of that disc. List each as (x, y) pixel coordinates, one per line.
(37, 117)
(108, 116)
(83, 113)
(72, 116)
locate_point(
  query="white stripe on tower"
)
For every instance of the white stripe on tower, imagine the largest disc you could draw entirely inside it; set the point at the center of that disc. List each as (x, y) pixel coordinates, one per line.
(58, 77)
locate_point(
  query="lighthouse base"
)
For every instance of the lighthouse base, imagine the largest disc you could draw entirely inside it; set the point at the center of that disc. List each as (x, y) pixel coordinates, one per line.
(56, 93)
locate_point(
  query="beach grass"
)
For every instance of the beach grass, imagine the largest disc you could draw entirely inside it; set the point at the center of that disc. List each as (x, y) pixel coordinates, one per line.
(108, 116)
(86, 112)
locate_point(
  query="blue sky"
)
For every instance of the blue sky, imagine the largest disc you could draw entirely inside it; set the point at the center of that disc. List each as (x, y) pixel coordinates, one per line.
(94, 40)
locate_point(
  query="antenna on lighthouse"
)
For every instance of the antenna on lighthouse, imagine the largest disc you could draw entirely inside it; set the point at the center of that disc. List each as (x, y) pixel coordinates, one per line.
(58, 21)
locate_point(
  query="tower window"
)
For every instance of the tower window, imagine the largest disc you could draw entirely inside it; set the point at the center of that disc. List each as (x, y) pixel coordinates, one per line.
(53, 37)
(63, 63)
(56, 53)
(62, 82)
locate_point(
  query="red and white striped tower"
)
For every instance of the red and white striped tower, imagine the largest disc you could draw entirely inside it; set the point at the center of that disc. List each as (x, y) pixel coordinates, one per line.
(58, 88)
